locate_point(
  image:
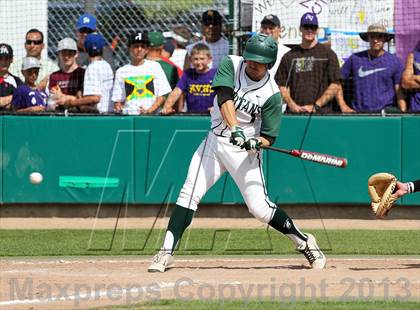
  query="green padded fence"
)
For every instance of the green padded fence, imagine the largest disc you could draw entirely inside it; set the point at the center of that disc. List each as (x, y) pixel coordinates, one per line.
(144, 160)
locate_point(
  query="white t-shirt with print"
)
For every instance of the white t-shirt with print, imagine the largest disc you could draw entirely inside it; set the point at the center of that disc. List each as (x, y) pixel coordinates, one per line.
(98, 81)
(138, 86)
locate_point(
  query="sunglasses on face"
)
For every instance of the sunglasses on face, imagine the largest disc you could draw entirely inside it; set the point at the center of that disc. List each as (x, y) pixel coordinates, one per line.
(310, 27)
(85, 30)
(379, 36)
(35, 42)
(211, 23)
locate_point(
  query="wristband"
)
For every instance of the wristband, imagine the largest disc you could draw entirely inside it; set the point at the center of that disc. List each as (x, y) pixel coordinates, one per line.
(410, 187)
(317, 107)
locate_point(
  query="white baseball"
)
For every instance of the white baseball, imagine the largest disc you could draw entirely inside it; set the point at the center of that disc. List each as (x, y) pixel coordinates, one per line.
(35, 177)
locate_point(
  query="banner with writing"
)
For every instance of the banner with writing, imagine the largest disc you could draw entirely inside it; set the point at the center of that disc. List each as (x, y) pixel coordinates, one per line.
(349, 15)
(289, 13)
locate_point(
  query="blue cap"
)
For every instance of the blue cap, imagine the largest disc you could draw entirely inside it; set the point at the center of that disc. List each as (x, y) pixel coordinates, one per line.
(309, 19)
(94, 42)
(87, 20)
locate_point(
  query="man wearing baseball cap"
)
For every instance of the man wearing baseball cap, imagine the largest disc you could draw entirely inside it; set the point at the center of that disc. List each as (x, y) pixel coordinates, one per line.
(309, 74)
(211, 28)
(270, 25)
(141, 85)
(172, 72)
(28, 97)
(85, 25)
(69, 79)
(98, 79)
(376, 74)
(8, 81)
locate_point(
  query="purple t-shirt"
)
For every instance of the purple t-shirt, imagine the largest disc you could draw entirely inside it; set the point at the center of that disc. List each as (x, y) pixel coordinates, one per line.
(374, 80)
(25, 97)
(197, 87)
(415, 96)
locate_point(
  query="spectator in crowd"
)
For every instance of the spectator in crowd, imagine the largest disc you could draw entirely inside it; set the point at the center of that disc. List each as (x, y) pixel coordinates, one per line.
(168, 49)
(85, 25)
(376, 74)
(180, 37)
(212, 36)
(270, 25)
(28, 97)
(8, 82)
(195, 83)
(411, 79)
(141, 85)
(68, 81)
(309, 74)
(34, 44)
(97, 85)
(156, 43)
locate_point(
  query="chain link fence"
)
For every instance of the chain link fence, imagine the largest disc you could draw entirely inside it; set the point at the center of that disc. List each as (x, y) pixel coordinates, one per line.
(118, 18)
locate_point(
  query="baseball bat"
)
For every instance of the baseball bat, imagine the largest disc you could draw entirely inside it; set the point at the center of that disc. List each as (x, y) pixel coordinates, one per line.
(319, 158)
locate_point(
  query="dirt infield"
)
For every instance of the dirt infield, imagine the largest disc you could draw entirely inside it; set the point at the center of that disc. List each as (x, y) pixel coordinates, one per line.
(70, 283)
(88, 282)
(232, 223)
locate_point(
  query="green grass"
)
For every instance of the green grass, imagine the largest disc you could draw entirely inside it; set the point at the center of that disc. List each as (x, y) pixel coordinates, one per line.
(15, 243)
(263, 305)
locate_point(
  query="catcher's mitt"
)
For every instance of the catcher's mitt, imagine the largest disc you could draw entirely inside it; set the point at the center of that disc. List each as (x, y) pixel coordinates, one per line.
(381, 188)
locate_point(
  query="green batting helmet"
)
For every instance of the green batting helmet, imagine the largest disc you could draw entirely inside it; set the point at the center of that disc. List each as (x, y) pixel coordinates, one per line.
(261, 48)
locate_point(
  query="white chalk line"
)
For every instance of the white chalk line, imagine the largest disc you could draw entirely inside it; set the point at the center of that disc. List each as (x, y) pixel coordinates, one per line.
(199, 260)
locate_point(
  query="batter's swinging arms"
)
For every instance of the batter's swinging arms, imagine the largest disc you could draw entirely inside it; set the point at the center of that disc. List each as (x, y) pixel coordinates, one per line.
(246, 114)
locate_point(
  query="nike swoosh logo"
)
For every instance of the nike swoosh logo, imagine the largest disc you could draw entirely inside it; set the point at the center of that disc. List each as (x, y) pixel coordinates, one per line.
(369, 72)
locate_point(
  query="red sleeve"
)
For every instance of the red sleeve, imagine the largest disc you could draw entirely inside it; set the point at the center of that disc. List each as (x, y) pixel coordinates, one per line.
(52, 82)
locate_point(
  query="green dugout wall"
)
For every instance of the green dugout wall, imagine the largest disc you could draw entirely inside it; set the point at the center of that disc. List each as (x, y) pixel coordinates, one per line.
(144, 160)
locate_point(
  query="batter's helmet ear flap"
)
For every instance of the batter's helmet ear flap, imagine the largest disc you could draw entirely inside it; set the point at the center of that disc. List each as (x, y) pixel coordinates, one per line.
(261, 48)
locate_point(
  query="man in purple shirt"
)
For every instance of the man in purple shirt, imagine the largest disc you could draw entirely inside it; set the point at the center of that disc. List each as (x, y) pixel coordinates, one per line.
(376, 74)
(411, 79)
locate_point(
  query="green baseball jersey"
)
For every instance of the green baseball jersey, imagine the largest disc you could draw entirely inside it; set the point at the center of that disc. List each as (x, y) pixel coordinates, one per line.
(257, 103)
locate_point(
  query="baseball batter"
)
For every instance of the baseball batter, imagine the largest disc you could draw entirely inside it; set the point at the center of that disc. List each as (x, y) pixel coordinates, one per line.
(246, 114)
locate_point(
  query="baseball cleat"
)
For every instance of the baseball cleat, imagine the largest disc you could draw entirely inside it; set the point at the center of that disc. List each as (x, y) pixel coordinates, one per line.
(312, 253)
(161, 262)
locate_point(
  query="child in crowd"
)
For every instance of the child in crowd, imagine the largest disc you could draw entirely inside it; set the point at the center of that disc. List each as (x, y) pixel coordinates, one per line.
(195, 83)
(141, 85)
(98, 79)
(8, 82)
(69, 79)
(27, 97)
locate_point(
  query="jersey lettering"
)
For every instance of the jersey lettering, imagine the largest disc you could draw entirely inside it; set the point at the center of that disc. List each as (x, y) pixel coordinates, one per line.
(245, 105)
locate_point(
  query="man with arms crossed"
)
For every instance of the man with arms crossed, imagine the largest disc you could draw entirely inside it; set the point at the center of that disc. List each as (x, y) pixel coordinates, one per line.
(246, 114)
